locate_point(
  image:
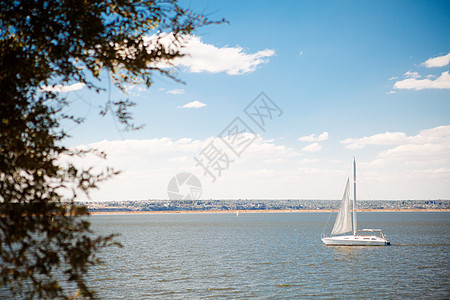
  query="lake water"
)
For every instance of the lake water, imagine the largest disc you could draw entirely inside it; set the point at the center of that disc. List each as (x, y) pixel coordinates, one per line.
(271, 256)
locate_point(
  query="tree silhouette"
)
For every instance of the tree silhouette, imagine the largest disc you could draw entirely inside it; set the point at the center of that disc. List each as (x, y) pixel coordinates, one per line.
(47, 245)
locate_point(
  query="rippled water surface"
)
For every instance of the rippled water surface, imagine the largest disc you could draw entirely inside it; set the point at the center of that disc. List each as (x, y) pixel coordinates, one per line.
(271, 256)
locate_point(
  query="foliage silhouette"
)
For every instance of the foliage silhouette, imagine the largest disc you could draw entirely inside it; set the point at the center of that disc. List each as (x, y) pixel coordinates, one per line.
(47, 245)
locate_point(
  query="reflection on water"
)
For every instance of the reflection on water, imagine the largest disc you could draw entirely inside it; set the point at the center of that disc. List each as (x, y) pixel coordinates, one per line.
(347, 252)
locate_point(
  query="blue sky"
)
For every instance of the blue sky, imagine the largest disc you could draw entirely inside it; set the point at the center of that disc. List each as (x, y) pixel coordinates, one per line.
(368, 77)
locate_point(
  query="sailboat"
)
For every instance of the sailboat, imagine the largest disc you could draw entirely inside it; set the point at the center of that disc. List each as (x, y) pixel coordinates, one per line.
(346, 223)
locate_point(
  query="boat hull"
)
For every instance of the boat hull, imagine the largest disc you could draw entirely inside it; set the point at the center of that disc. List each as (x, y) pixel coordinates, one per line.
(350, 240)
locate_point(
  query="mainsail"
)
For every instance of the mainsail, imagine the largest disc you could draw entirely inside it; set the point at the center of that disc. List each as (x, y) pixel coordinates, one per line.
(343, 222)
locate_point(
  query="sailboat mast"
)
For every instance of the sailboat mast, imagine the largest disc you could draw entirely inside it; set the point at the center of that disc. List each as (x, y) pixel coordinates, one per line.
(354, 196)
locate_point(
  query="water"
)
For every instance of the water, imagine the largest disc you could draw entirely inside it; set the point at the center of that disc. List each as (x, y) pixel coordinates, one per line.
(271, 256)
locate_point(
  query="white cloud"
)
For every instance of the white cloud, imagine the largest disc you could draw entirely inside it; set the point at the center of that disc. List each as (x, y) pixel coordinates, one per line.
(393, 77)
(391, 92)
(417, 152)
(410, 74)
(413, 158)
(313, 138)
(413, 81)
(203, 57)
(314, 147)
(265, 148)
(436, 135)
(387, 138)
(59, 88)
(442, 82)
(175, 92)
(193, 104)
(439, 61)
(300, 53)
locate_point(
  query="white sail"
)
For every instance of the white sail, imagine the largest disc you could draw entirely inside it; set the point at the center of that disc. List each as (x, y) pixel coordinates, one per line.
(343, 222)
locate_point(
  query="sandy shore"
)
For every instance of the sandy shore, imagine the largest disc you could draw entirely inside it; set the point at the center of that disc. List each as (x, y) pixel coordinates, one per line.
(94, 213)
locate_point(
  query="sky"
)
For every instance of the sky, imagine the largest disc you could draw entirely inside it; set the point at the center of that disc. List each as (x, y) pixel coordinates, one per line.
(277, 102)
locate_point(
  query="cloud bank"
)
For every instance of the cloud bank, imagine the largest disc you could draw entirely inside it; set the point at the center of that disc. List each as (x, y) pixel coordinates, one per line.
(409, 166)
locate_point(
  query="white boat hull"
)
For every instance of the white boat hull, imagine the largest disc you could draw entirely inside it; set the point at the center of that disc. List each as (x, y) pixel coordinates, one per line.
(351, 240)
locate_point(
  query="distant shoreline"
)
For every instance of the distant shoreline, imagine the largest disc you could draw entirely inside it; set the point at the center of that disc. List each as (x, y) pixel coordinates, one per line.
(164, 212)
